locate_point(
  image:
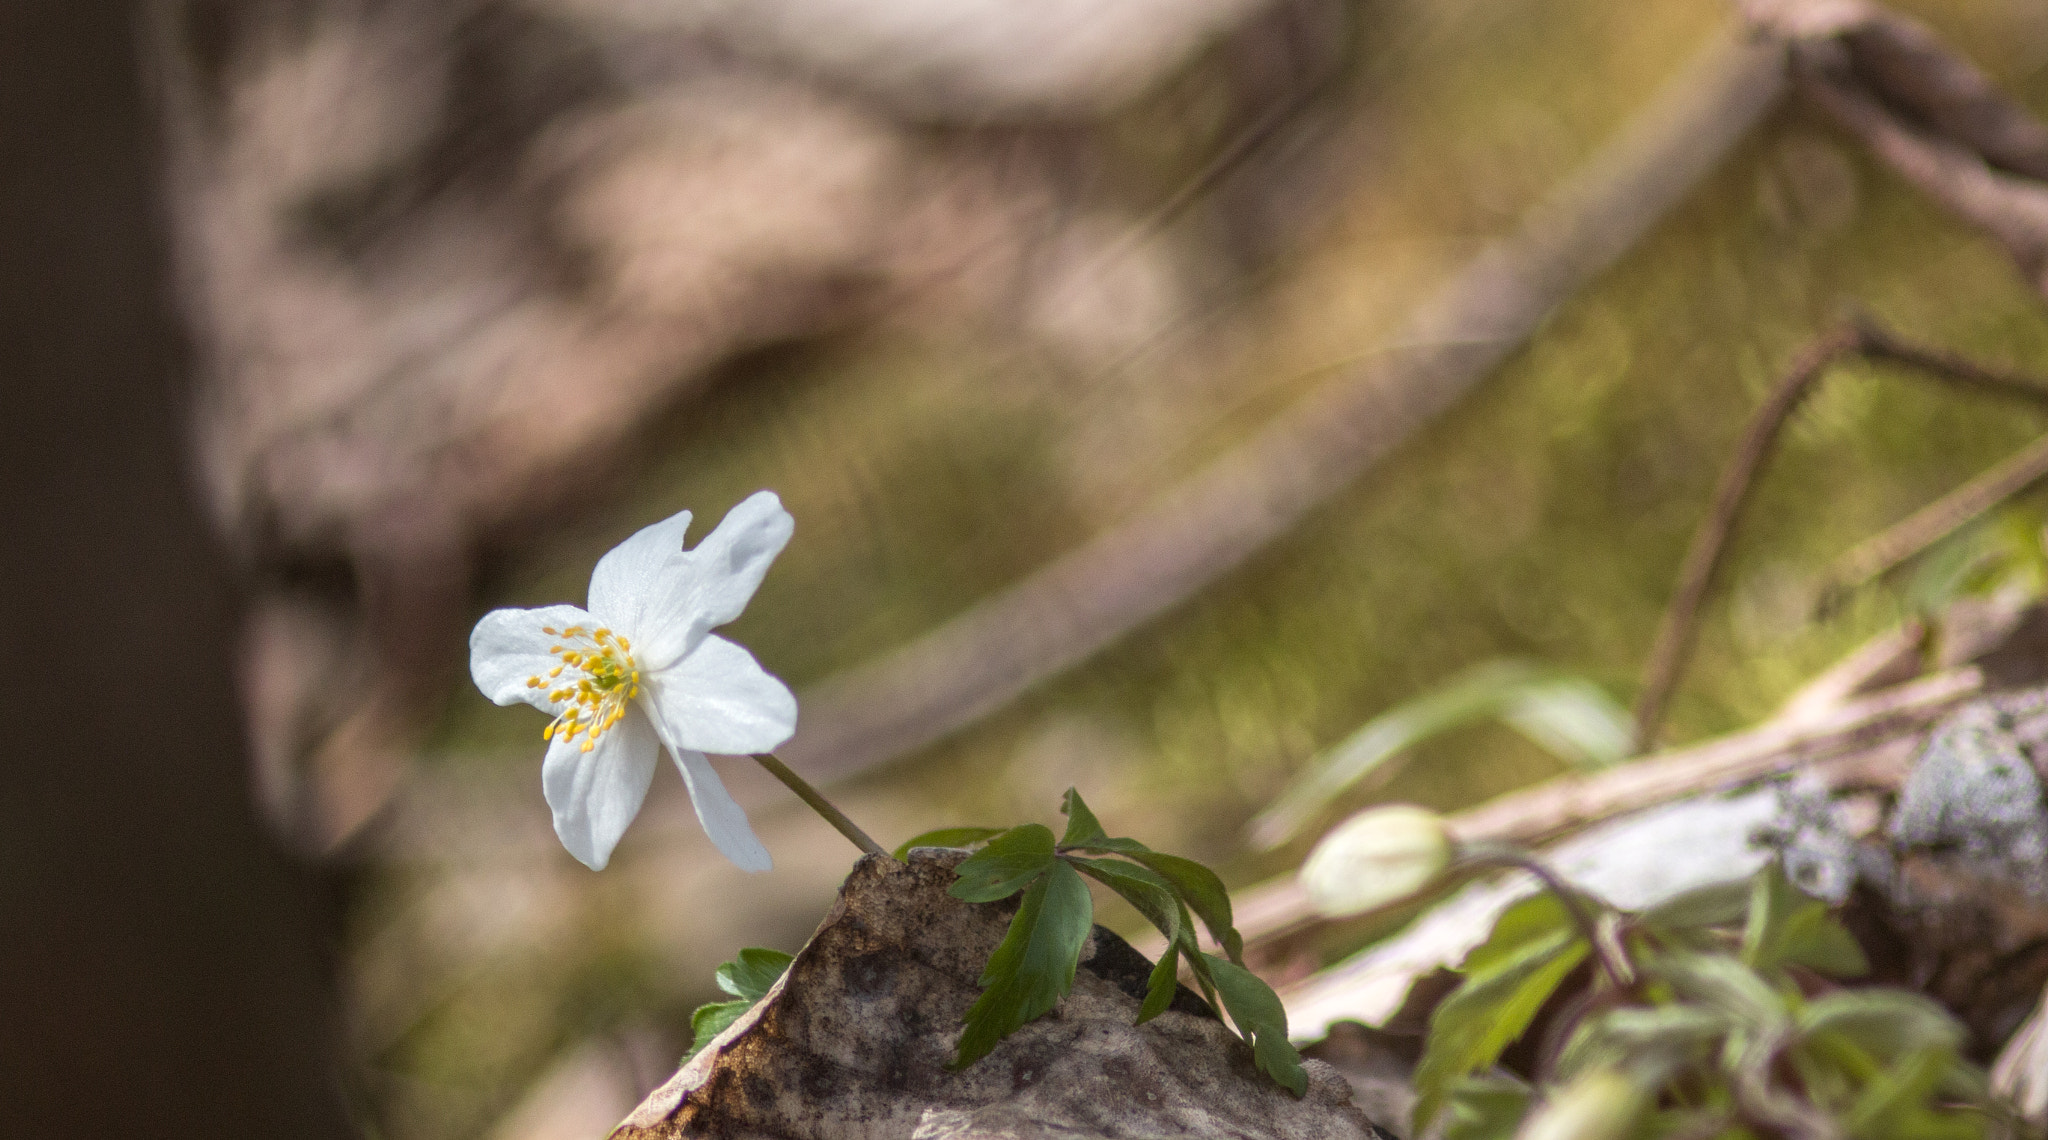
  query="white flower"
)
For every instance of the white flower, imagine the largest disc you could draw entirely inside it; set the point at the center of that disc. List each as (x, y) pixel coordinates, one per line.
(641, 670)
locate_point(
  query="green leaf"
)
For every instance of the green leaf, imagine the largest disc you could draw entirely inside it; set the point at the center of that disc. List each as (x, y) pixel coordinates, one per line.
(1204, 892)
(1162, 985)
(945, 837)
(748, 977)
(1262, 1020)
(1649, 1042)
(1538, 917)
(1010, 861)
(1702, 908)
(1485, 1108)
(1507, 980)
(1082, 826)
(1787, 928)
(1568, 715)
(1723, 984)
(1034, 966)
(711, 1020)
(1885, 1023)
(1574, 720)
(1890, 1100)
(1145, 890)
(753, 972)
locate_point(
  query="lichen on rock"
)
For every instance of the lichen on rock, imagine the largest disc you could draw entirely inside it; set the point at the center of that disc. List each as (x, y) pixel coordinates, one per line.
(855, 1040)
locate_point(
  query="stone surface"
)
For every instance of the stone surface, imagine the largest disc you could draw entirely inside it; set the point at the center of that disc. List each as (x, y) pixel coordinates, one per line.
(855, 1039)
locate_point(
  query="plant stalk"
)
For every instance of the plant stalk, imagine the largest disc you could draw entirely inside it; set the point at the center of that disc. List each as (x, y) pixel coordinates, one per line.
(818, 803)
(1612, 962)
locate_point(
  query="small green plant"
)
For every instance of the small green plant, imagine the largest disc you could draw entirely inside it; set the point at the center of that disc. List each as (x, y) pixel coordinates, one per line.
(1034, 965)
(1718, 1015)
(748, 978)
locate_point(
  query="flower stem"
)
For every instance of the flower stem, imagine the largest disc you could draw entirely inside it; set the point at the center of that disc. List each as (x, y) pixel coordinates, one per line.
(818, 803)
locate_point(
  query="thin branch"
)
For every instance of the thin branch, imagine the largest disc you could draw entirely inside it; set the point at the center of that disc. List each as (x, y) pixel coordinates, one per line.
(1675, 632)
(1861, 338)
(1881, 553)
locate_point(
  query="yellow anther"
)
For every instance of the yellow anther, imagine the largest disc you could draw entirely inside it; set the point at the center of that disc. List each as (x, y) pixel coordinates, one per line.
(548, 629)
(555, 672)
(625, 645)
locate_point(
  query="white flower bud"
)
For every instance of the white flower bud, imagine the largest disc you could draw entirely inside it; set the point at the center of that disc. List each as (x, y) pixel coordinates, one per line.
(1377, 857)
(1600, 1105)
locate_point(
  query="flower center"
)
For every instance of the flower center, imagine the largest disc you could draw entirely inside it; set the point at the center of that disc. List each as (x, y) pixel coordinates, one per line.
(596, 678)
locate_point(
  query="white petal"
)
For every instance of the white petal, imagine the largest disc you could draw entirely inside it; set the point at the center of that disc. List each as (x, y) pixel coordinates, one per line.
(713, 584)
(632, 572)
(595, 794)
(507, 648)
(719, 699)
(723, 819)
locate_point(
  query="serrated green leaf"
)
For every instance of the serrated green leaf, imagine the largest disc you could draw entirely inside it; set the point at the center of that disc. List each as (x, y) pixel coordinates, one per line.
(711, 1020)
(1485, 1108)
(753, 972)
(1204, 892)
(1034, 966)
(1144, 889)
(945, 837)
(1788, 928)
(1504, 987)
(1082, 826)
(1885, 1023)
(1011, 861)
(1260, 1019)
(1162, 984)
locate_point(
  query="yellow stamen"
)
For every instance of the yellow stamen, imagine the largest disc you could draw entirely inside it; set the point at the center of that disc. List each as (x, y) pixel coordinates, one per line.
(592, 698)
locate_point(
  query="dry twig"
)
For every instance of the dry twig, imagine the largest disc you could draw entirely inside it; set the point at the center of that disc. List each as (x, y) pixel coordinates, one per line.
(1675, 633)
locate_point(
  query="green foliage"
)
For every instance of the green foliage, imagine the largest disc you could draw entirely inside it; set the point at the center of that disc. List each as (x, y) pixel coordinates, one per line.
(1713, 1036)
(945, 837)
(2002, 550)
(1786, 928)
(1567, 715)
(748, 978)
(1507, 980)
(1034, 965)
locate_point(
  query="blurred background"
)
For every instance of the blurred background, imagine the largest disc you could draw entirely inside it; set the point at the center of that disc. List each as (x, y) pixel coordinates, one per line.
(337, 322)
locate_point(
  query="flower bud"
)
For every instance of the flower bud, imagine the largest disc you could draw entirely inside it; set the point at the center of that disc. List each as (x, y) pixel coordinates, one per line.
(1379, 856)
(1600, 1105)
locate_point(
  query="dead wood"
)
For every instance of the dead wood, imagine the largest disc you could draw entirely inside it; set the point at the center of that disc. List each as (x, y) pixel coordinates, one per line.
(855, 1040)
(1194, 532)
(1864, 338)
(1925, 111)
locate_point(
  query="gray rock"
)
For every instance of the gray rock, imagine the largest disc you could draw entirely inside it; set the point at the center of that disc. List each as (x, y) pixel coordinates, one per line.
(855, 1039)
(1976, 792)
